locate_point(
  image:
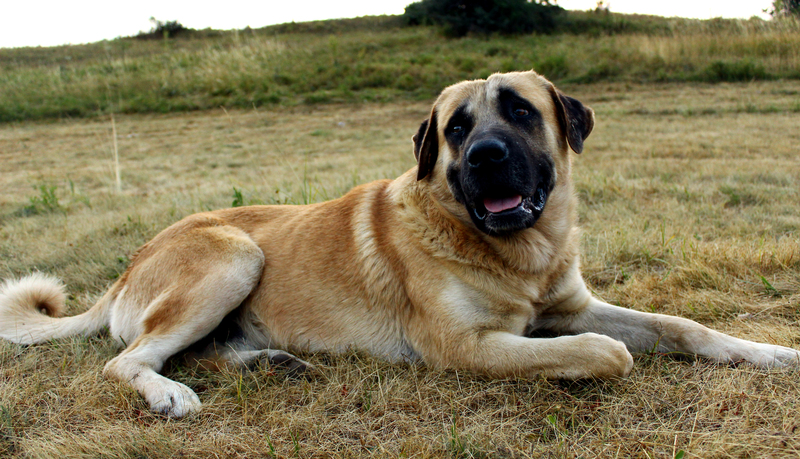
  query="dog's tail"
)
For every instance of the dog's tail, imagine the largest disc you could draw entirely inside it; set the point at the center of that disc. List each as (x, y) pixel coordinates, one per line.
(30, 310)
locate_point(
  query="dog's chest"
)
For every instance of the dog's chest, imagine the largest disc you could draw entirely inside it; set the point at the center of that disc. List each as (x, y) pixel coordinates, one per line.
(493, 303)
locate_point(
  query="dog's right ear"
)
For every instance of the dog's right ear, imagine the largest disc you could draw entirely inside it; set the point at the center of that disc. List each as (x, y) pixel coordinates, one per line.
(426, 146)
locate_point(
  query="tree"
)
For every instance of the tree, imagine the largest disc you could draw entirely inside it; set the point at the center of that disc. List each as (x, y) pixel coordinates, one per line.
(785, 8)
(460, 17)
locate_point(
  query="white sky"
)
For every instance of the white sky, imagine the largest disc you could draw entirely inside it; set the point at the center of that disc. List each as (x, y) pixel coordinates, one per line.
(50, 23)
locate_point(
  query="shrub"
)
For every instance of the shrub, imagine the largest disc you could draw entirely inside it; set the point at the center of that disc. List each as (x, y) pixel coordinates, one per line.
(162, 29)
(462, 17)
(742, 70)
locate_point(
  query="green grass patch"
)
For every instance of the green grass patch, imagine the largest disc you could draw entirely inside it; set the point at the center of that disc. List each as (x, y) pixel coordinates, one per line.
(377, 59)
(45, 202)
(740, 70)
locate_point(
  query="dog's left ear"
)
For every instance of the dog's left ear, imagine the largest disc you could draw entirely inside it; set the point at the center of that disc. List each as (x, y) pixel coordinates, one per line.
(426, 146)
(576, 119)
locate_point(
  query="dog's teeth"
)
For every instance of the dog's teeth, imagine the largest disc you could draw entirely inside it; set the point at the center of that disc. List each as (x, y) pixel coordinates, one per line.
(539, 199)
(526, 205)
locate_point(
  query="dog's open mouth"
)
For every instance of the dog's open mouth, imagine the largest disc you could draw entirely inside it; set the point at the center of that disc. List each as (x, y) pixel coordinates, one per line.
(511, 205)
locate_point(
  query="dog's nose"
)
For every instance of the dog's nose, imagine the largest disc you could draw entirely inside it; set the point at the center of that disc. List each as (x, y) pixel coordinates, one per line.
(484, 152)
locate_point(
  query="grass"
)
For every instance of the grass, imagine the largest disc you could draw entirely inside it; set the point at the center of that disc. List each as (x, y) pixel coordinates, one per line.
(689, 198)
(375, 59)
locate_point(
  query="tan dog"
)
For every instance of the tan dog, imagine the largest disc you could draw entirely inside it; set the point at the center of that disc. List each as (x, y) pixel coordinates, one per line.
(454, 263)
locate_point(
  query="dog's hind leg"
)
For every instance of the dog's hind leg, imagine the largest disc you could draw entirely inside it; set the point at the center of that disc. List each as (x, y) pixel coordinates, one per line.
(240, 356)
(189, 283)
(646, 332)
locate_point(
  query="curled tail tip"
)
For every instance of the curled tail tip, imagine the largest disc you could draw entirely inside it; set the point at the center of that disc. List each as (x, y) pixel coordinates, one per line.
(37, 291)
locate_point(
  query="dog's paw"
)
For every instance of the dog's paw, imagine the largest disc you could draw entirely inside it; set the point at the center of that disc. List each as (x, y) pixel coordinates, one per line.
(771, 356)
(293, 366)
(173, 399)
(591, 355)
(613, 359)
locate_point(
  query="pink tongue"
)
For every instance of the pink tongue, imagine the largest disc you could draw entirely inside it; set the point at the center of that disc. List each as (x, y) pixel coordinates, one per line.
(499, 205)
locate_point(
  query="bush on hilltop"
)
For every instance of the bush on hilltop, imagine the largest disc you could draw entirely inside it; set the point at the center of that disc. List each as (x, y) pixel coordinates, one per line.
(462, 17)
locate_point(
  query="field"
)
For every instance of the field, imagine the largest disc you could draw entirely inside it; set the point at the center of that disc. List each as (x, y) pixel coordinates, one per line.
(689, 189)
(689, 196)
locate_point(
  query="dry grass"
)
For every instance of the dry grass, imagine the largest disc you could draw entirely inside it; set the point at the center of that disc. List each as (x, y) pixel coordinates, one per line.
(689, 206)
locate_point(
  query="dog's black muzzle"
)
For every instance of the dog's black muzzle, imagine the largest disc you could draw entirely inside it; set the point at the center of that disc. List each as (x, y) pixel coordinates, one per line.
(504, 183)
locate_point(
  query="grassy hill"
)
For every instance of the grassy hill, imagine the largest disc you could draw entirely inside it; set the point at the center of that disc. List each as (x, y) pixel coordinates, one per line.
(377, 59)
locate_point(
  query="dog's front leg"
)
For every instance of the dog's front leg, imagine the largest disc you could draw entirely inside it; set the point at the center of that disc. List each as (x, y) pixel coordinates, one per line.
(645, 332)
(588, 355)
(501, 354)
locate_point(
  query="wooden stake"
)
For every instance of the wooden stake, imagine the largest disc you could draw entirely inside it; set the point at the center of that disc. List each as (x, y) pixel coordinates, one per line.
(116, 154)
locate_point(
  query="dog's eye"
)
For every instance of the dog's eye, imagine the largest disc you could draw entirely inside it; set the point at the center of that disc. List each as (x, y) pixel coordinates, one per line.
(456, 129)
(521, 112)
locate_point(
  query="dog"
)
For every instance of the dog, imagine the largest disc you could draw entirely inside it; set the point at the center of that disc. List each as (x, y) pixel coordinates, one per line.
(457, 263)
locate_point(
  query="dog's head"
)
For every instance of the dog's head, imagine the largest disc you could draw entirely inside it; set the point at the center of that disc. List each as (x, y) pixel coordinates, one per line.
(498, 144)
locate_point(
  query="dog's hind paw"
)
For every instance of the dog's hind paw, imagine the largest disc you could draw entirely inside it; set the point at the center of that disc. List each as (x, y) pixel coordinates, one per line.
(771, 356)
(291, 365)
(785, 357)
